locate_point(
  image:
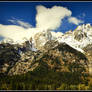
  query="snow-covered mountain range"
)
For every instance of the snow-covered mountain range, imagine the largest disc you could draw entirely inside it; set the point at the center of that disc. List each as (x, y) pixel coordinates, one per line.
(78, 38)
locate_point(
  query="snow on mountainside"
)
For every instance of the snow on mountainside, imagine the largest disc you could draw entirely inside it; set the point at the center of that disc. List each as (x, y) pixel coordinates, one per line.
(78, 39)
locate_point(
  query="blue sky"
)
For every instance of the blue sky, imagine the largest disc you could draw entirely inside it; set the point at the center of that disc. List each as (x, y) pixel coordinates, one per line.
(26, 11)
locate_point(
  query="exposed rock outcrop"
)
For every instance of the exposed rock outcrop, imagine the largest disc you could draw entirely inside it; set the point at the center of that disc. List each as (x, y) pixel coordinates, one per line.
(41, 38)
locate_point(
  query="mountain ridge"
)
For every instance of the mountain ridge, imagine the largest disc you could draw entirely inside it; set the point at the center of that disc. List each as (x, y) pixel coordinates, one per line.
(47, 43)
(78, 39)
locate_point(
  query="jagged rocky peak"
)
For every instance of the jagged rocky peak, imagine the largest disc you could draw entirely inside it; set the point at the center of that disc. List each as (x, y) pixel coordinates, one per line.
(82, 35)
(79, 35)
(41, 38)
(84, 27)
(82, 30)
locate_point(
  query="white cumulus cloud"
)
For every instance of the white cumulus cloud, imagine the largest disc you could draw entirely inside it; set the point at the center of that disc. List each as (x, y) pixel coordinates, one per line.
(74, 20)
(51, 18)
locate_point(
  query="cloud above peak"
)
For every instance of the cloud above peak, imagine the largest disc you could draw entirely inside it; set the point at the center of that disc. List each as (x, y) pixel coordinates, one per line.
(51, 18)
(75, 21)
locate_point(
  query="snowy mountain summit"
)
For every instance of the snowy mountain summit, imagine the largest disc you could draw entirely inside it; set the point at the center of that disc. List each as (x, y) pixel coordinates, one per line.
(79, 38)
